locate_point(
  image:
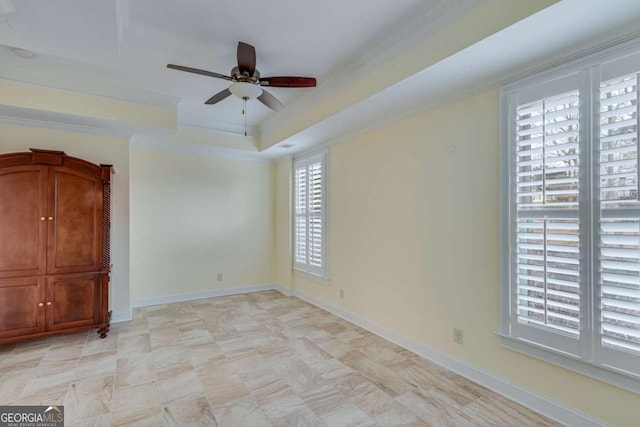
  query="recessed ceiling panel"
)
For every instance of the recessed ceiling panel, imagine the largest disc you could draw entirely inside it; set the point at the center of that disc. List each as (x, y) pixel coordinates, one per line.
(291, 36)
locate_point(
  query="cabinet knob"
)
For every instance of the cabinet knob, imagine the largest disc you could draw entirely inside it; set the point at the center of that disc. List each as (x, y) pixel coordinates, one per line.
(49, 302)
(41, 304)
(42, 218)
(50, 218)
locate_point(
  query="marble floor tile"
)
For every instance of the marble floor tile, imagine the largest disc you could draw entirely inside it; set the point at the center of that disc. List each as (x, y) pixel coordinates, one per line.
(167, 362)
(97, 365)
(436, 409)
(274, 396)
(88, 398)
(134, 370)
(348, 416)
(184, 384)
(146, 419)
(12, 383)
(223, 388)
(245, 412)
(303, 417)
(104, 420)
(52, 397)
(132, 345)
(190, 411)
(135, 403)
(251, 360)
(47, 383)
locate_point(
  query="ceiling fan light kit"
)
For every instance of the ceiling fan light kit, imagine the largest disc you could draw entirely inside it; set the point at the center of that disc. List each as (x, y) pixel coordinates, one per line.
(247, 83)
(244, 90)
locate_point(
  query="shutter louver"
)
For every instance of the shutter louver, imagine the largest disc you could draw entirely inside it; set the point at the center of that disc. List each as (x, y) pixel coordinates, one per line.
(300, 243)
(548, 278)
(620, 283)
(619, 141)
(547, 141)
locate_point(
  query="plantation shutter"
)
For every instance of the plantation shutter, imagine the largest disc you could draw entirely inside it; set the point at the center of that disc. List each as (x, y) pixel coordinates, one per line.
(546, 294)
(619, 225)
(571, 209)
(310, 214)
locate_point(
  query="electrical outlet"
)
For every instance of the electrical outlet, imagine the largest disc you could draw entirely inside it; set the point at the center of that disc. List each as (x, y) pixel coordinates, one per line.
(219, 277)
(341, 293)
(458, 336)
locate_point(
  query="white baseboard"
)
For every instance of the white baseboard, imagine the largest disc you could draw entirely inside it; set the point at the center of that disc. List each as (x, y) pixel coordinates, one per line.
(190, 296)
(121, 316)
(530, 399)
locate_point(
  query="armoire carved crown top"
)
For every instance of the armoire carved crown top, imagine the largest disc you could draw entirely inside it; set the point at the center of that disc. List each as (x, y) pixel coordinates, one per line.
(39, 156)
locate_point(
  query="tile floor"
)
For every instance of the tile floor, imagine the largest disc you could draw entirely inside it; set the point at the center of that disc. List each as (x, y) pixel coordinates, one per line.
(260, 359)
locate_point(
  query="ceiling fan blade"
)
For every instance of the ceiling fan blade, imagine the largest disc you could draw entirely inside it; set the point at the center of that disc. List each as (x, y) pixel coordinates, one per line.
(246, 58)
(288, 81)
(218, 97)
(270, 101)
(197, 71)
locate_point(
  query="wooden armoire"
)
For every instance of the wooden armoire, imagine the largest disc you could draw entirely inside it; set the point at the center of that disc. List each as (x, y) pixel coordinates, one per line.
(54, 245)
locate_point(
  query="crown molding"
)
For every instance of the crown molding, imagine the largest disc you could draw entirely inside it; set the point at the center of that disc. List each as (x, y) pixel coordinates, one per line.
(421, 23)
(69, 127)
(173, 145)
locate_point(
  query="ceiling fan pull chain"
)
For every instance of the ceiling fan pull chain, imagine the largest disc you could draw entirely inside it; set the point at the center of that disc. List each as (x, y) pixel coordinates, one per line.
(244, 113)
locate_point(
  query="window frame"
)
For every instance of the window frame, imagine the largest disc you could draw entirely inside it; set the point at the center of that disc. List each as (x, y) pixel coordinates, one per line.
(307, 158)
(587, 357)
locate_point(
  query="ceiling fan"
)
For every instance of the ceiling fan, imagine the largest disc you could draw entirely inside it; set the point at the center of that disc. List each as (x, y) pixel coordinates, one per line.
(247, 83)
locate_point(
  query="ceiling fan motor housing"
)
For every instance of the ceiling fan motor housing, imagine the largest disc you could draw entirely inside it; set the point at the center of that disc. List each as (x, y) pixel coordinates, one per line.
(240, 77)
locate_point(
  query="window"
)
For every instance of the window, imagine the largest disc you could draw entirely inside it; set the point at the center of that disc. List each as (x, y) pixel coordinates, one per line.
(570, 240)
(310, 214)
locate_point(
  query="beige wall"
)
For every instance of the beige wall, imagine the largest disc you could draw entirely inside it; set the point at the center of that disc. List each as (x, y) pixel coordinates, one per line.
(193, 217)
(96, 149)
(414, 245)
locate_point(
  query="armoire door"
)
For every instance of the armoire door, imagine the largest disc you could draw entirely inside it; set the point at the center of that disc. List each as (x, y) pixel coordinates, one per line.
(22, 306)
(23, 225)
(74, 221)
(73, 301)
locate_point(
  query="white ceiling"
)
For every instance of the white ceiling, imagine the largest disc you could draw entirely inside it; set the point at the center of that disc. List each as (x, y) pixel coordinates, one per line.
(120, 48)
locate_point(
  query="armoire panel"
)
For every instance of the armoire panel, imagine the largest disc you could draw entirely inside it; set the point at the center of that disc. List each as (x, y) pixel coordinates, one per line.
(23, 306)
(23, 198)
(75, 242)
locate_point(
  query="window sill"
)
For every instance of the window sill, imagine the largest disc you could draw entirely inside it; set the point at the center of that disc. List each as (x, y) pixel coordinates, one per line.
(321, 279)
(622, 379)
